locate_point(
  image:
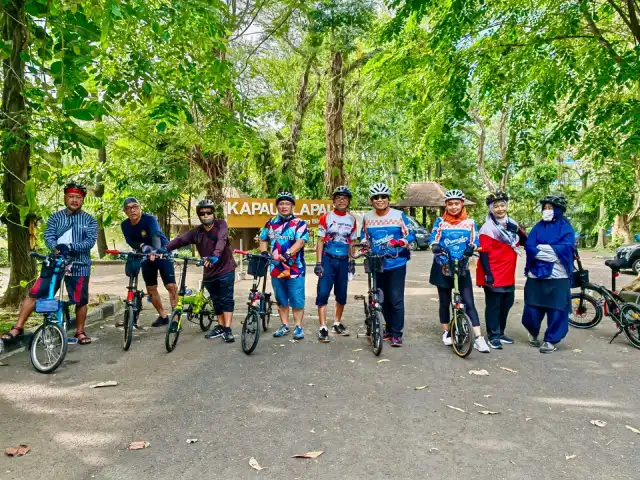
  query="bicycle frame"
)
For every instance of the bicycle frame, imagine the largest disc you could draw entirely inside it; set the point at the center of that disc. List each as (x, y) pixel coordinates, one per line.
(258, 297)
(192, 303)
(612, 303)
(60, 267)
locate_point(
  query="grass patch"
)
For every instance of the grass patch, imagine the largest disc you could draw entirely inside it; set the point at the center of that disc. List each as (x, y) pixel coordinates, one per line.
(8, 319)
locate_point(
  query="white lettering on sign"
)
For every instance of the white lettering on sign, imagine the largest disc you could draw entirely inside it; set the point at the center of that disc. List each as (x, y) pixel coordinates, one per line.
(264, 210)
(246, 208)
(232, 208)
(304, 210)
(255, 207)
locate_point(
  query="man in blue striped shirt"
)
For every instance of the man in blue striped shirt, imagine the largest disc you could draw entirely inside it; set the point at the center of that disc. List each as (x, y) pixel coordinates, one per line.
(70, 232)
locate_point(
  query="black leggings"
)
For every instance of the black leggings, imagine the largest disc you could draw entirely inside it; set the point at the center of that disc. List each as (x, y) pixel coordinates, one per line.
(466, 292)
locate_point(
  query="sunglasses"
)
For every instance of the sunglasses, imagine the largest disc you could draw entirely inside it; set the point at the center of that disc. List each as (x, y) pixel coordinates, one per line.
(205, 214)
(380, 197)
(132, 207)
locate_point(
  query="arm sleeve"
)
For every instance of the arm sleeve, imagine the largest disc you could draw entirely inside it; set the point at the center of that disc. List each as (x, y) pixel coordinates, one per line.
(50, 237)
(133, 244)
(546, 253)
(322, 226)
(223, 237)
(435, 232)
(407, 233)
(264, 233)
(475, 238)
(91, 236)
(354, 230)
(484, 260)
(156, 233)
(302, 232)
(182, 240)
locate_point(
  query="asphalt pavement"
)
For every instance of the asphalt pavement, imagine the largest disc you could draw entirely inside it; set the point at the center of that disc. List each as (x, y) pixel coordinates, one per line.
(370, 419)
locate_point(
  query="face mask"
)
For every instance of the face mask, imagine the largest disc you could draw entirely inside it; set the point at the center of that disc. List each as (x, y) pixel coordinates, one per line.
(208, 221)
(547, 215)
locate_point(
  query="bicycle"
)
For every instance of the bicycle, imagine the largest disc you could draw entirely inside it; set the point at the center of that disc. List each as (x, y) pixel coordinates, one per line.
(374, 318)
(193, 305)
(259, 304)
(52, 334)
(460, 326)
(625, 315)
(133, 304)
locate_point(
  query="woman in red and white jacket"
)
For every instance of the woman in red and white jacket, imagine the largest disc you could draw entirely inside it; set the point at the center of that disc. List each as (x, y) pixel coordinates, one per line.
(500, 238)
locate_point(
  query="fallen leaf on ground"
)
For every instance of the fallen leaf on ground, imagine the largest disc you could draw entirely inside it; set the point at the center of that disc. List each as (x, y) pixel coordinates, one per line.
(528, 418)
(110, 383)
(509, 370)
(311, 384)
(598, 423)
(358, 350)
(383, 360)
(313, 430)
(253, 463)
(456, 408)
(482, 372)
(309, 454)
(569, 457)
(487, 396)
(352, 361)
(488, 412)
(434, 449)
(138, 445)
(19, 451)
(634, 430)
(479, 405)
(610, 442)
(293, 341)
(421, 387)
(192, 440)
(577, 350)
(3, 364)
(282, 345)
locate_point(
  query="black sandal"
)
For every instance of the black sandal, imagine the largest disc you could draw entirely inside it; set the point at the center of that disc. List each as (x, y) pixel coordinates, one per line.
(10, 337)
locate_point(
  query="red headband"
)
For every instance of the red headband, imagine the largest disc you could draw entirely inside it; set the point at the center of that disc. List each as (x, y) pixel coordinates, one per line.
(74, 190)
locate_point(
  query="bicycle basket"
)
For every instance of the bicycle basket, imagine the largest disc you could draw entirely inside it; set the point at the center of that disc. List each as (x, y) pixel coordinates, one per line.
(132, 267)
(47, 305)
(374, 264)
(257, 266)
(579, 278)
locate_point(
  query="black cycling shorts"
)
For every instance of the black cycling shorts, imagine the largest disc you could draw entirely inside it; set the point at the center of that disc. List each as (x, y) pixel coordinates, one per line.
(221, 292)
(150, 272)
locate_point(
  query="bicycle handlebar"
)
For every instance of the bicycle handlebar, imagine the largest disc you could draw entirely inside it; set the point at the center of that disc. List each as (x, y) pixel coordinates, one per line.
(42, 257)
(244, 253)
(365, 251)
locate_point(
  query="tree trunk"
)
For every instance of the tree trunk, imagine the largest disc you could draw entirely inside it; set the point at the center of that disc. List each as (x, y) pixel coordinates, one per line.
(17, 155)
(334, 125)
(621, 228)
(99, 193)
(601, 232)
(164, 217)
(214, 165)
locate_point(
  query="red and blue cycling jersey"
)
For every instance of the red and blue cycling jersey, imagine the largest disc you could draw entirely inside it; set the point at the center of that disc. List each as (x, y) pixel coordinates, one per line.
(339, 230)
(379, 230)
(283, 234)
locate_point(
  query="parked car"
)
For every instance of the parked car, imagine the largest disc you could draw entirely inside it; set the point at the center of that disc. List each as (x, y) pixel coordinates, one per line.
(629, 255)
(422, 235)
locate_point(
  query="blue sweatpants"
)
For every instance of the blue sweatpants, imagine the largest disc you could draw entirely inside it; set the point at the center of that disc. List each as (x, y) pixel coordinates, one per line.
(557, 322)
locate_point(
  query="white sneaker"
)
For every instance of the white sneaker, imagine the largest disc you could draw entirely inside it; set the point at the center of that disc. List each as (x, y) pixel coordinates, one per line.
(481, 345)
(446, 339)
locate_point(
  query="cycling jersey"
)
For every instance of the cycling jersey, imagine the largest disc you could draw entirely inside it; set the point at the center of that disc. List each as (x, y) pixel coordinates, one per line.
(454, 238)
(338, 230)
(146, 231)
(378, 230)
(283, 234)
(79, 231)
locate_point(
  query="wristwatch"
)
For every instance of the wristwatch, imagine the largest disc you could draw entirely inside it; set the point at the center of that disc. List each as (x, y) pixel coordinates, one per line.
(288, 252)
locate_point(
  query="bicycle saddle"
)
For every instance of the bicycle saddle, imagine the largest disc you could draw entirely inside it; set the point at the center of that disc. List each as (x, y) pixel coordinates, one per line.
(615, 265)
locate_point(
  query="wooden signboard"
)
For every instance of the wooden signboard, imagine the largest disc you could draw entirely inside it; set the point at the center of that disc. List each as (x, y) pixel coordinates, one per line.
(254, 212)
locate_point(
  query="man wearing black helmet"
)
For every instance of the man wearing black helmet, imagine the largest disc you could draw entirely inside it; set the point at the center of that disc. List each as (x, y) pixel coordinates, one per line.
(212, 242)
(70, 232)
(142, 233)
(336, 231)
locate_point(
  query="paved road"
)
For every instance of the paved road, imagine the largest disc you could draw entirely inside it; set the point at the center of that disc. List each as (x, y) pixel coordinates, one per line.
(367, 417)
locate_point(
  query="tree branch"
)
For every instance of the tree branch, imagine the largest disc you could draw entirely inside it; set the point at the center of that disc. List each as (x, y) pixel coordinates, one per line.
(598, 34)
(360, 61)
(633, 18)
(545, 40)
(617, 8)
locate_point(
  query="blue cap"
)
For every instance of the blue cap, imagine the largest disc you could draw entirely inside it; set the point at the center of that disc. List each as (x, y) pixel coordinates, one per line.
(129, 200)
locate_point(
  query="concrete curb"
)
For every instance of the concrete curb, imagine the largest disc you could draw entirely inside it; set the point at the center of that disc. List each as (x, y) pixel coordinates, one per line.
(109, 306)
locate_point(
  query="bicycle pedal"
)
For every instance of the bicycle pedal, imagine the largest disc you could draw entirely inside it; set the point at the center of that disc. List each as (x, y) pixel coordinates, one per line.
(358, 297)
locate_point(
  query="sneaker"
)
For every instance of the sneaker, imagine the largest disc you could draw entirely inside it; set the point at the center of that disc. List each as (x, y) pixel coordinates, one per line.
(481, 345)
(495, 343)
(386, 336)
(396, 342)
(161, 321)
(323, 335)
(446, 338)
(282, 331)
(215, 332)
(505, 339)
(298, 333)
(228, 336)
(340, 329)
(548, 347)
(534, 342)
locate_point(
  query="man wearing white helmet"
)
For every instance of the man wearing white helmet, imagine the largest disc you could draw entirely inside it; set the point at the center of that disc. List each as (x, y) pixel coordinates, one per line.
(384, 228)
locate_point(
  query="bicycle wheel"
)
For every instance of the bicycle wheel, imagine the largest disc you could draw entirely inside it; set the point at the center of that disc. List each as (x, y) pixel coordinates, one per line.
(250, 332)
(129, 320)
(377, 321)
(630, 312)
(461, 334)
(206, 317)
(586, 312)
(48, 347)
(173, 330)
(266, 317)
